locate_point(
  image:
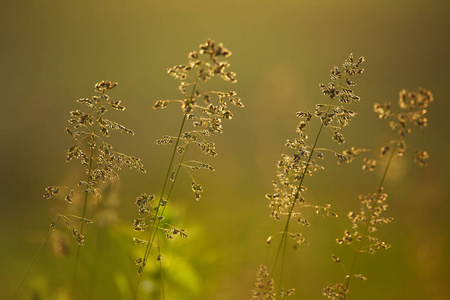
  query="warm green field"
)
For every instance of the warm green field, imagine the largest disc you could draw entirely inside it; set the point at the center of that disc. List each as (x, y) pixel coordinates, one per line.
(52, 54)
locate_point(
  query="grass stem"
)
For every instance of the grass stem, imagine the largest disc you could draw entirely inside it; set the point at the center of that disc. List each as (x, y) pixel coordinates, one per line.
(297, 195)
(38, 251)
(156, 221)
(91, 160)
(366, 228)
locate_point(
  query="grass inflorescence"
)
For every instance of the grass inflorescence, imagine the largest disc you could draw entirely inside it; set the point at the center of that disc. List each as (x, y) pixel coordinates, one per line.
(90, 129)
(288, 200)
(204, 109)
(365, 223)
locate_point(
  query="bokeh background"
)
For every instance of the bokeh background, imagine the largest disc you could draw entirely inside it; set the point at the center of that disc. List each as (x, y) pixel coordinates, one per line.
(53, 52)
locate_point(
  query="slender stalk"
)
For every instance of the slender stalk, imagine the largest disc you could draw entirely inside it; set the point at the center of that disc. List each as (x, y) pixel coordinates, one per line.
(38, 251)
(268, 248)
(175, 177)
(78, 249)
(160, 268)
(297, 195)
(91, 160)
(157, 221)
(168, 195)
(358, 250)
(162, 213)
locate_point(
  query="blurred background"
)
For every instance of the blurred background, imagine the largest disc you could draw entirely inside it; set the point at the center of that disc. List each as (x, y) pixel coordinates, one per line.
(53, 52)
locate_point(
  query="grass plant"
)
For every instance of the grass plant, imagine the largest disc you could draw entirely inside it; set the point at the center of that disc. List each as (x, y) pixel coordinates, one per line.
(89, 130)
(202, 113)
(288, 200)
(205, 109)
(366, 222)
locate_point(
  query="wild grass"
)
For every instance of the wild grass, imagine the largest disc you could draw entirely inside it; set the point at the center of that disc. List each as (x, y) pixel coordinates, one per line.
(365, 223)
(205, 109)
(89, 130)
(288, 201)
(202, 113)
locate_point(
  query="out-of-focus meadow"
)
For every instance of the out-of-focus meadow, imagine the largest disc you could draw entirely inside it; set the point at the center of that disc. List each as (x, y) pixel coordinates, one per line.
(53, 52)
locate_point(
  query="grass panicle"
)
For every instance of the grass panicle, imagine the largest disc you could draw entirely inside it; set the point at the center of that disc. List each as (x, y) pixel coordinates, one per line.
(366, 222)
(288, 200)
(204, 109)
(89, 129)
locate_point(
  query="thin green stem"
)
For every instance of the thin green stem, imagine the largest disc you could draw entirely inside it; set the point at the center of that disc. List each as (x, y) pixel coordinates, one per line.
(91, 160)
(173, 184)
(137, 285)
(156, 220)
(38, 251)
(366, 228)
(297, 195)
(162, 213)
(270, 242)
(79, 247)
(160, 268)
(283, 260)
